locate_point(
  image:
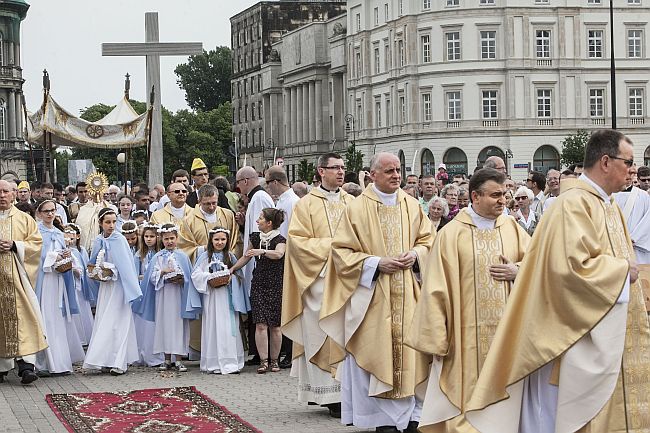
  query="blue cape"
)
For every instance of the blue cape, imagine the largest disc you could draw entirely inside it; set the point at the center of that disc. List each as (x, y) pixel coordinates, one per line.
(55, 236)
(86, 291)
(238, 296)
(190, 298)
(139, 263)
(118, 252)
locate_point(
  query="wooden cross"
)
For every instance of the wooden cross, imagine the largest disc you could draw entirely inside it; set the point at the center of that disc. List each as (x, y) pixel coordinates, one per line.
(152, 48)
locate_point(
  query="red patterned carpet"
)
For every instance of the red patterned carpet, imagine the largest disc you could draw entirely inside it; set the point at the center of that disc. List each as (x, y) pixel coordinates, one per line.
(165, 410)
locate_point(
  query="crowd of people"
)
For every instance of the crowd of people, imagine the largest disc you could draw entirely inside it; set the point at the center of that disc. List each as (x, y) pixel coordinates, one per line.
(434, 303)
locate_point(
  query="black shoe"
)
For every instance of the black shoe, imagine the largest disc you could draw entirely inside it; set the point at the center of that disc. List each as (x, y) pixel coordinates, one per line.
(255, 360)
(28, 377)
(387, 429)
(285, 363)
(335, 409)
(412, 427)
(2, 376)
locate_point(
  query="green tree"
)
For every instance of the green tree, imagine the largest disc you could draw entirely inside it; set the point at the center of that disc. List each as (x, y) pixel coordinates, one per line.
(206, 79)
(573, 147)
(306, 170)
(353, 159)
(62, 157)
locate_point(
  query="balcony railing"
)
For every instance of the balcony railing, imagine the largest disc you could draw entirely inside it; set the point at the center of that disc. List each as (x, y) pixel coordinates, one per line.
(490, 123)
(545, 122)
(11, 72)
(597, 120)
(453, 124)
(544, 62)
(637, 121)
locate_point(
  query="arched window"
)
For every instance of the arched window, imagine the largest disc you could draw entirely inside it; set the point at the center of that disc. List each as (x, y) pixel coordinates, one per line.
(488, 152)
(427, 163)
(646, 157)
(456, 162)
(546, 158)
(402, 163)
(3, 120)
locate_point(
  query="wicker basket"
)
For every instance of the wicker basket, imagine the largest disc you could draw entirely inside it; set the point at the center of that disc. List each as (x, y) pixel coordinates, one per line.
(219, 281)
(176, 279)
(63, 266)
(105, 275)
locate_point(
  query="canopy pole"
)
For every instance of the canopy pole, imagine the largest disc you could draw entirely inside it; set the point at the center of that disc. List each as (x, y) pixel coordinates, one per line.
(31, 151)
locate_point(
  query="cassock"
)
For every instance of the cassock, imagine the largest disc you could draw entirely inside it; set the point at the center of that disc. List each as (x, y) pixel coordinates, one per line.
(193, 238)
(313, 225)
(258, 199)
(88, 222)
(370, 319)
(18, 304)
(635, 205)
(170, 215)
(459, 309)
(572, 351)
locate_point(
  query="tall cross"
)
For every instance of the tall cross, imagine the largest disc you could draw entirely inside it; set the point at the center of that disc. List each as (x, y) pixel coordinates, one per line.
(152, 48)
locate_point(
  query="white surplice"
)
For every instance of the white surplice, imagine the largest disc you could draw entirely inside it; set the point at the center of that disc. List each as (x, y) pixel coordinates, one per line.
(261, 199)
(64, 344)
(635, 205)
(222, 350)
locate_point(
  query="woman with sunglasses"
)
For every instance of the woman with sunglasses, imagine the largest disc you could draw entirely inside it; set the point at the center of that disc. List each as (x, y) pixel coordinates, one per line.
(525, 215)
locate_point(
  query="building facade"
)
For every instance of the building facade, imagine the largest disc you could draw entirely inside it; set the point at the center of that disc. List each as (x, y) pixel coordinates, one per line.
(257, 98)
(13, 153)
(456, 81)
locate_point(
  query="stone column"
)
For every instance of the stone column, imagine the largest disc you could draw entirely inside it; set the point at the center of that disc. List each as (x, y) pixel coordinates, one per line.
(11, 115)
(307, 114)
(19, 115)
(294, 115)
(318, 96)
(299, 115)
(312, 110)
(286, 116)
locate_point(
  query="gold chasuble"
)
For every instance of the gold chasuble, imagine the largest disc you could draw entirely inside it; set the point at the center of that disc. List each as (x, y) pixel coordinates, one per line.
(312, 227)
(458, 312)
(371, 324)
(194, 235)
(165, 216)
(563, 316)
(195, 228)
(21, 332)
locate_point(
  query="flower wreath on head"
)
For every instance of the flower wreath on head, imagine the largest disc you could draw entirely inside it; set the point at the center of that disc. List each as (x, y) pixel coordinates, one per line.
(129, 231)
(219, 230)
(70, 228)
(149, 225)
(137, 212)
(172, 229)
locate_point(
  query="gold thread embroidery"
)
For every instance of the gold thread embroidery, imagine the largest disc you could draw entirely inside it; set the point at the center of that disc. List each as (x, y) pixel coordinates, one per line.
(8, 296)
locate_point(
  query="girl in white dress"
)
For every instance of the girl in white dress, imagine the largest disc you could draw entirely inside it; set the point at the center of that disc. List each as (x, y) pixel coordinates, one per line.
(57, 298)
(222, 350)
(170, 299)
(144, 330)
(85, 298)
(113, 344)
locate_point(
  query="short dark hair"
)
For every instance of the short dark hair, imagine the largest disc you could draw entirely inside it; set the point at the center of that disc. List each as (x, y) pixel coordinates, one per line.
(80, 184)
(141, 193)
(222, 183)
(643, 171)
(538, 179)
(484, 175)
(602, 142)
(35, 185)
(47, 185)
(208, 190)
(180, 173)
(275, 216)
(573, 167)
(323, 159)
(58, 187)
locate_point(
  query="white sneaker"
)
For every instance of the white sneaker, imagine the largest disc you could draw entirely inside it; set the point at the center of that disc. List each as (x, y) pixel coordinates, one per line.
(165, 366)
(180, 367)
(117, 371)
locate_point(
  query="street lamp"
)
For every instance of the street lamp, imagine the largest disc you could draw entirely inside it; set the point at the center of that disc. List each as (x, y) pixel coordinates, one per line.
(271, 145)
(349, 127)
(612, 66)
(121, 159)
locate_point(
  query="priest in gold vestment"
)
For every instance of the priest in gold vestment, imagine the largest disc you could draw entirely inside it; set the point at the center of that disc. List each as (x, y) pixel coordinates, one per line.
(313, 224)
(175, 210)
(371, 287)
(21, 331)
(466, 283)
(572, 351)
(193, 240)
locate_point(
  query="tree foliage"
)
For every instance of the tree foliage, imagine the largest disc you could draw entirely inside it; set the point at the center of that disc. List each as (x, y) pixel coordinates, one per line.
(206, 79)
(306, 170)
(573, 147)
(353, 159)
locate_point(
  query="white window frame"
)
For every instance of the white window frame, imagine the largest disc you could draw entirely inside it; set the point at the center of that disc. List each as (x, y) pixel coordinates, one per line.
(378, 112)
(454, 104)
(453, 3)
(377, 59)
(489, 100)
(594, 2)
(488, 44)
(401, 53)
(597, 102)
(376, 16)
(389, 110)
(425, 44)
(634, 43)
(634, 2)
(635, 101)
(426, 106)
(426, 5)
(358, 63)
(386, 12)
(543, 43)
(402, 108)
(358, 22)
(595, 47)
(453, 45)
(486, 3)
(544, 101)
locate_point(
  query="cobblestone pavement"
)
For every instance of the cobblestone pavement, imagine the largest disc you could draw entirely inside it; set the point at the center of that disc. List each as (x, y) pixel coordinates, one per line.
(266, 401)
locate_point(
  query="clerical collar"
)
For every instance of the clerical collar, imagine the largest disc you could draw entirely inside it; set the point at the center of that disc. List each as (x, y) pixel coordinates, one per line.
(388, 199)
(254, 191)
(481, 222)
(327, 190)
(177, 208)
(597, 187)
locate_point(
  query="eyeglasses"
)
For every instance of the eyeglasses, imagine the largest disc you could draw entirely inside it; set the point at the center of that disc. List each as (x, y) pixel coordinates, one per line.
(644, 179)
(202, 174)
(627, 162)
(550, 179)
(529, 180)
(179, 191)
(49, 211)
(241, 180)
(521, 198)
(335, 167)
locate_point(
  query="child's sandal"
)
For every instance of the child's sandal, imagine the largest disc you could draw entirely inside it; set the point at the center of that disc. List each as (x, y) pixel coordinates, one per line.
(264, 366)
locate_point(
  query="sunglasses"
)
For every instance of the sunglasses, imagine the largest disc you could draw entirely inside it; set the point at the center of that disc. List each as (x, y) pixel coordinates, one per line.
(520, 198)
(180, 191)
(49, 211)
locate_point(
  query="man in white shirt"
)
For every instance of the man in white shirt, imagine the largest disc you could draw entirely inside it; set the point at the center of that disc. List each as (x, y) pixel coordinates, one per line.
(536, 182)
(277, 184)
